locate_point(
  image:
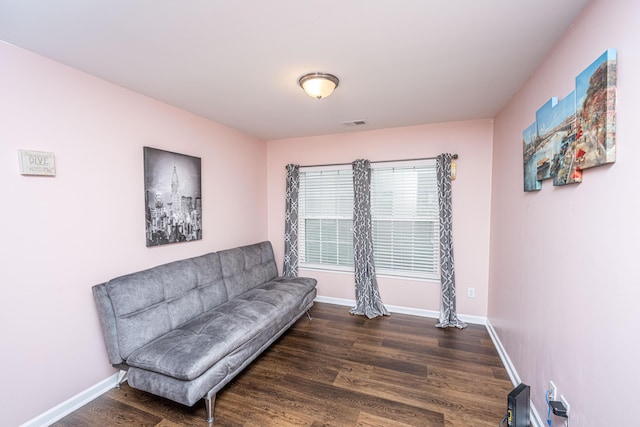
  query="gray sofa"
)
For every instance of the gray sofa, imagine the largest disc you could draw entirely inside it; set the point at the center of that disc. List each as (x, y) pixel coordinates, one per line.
(183, 330)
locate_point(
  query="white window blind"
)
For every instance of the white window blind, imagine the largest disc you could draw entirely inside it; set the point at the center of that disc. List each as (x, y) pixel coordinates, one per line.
(404, 211)
(326, 217)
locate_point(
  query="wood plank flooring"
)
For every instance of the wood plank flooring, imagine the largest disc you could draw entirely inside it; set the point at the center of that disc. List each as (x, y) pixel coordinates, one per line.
(340, 370)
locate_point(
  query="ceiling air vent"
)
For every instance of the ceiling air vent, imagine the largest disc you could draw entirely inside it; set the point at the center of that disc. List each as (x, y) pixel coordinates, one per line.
(354, 123)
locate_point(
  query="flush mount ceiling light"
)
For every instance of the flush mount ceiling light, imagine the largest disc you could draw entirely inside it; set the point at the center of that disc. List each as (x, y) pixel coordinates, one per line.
(318, 85)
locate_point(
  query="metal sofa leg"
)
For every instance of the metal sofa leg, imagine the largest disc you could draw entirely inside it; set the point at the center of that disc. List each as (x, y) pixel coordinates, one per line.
(210, 402)
(309, 316)
(122, 377)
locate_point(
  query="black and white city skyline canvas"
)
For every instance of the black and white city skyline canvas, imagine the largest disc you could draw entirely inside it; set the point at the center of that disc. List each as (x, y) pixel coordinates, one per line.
(173, 197)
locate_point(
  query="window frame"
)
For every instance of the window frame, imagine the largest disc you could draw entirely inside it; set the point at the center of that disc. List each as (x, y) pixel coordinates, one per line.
(434, 219)
(302, 226)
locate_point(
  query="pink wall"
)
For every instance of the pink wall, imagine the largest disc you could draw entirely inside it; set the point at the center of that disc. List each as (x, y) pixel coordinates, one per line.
(471, 202)
(562, 265)
(564, 282)
(62, 235)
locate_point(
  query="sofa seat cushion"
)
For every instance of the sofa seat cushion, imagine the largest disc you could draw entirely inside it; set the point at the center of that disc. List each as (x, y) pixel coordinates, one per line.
(188, 351)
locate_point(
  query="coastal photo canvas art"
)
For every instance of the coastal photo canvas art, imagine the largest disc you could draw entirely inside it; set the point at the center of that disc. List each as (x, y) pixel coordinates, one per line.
(596, 98)
(576, 133)
(173, 197)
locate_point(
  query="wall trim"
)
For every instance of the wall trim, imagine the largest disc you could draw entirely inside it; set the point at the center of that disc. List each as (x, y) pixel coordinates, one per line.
(68, 406)
(511, 370)
(477, 320)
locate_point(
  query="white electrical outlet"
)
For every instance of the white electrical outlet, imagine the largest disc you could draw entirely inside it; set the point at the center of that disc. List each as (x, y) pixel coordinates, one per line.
(471, 292)
(553, 391)
(566, 404)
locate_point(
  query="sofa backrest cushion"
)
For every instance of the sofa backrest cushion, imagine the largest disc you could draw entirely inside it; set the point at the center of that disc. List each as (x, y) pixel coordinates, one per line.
(209, 280)
(150, 303)
(246, 267)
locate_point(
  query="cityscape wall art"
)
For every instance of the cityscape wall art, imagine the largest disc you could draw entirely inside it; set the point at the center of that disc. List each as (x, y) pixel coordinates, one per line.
(173, 197)
(577, 133)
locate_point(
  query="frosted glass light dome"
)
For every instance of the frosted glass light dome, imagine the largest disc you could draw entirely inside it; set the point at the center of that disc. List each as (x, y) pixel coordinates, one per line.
(318, 85)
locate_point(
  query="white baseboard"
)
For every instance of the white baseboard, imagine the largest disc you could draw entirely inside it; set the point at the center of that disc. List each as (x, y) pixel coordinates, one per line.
(336, 301)
(536, 421)
(65, 408)
(506, 361)
(478, 320)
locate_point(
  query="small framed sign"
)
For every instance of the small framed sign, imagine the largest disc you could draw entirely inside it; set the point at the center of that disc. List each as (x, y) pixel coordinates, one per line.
(36, 163)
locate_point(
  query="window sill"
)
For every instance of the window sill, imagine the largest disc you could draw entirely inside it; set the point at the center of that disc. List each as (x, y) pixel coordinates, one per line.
(380, 275)
(326, 269)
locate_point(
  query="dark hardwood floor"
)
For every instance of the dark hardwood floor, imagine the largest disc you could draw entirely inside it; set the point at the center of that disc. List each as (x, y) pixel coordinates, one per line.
(341, 370)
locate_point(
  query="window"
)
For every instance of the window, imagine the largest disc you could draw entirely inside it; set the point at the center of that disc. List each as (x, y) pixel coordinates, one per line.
(404, 211)
(325, 217)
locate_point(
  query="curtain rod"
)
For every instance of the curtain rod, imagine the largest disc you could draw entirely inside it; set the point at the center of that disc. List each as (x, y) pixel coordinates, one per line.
(453, 156)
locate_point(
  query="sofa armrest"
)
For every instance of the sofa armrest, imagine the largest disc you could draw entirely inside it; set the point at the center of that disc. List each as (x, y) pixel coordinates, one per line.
(107, 318)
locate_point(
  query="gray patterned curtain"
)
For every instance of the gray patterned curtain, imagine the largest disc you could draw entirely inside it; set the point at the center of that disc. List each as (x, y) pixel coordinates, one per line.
(368, 301)
(290, 268)
(448, 315)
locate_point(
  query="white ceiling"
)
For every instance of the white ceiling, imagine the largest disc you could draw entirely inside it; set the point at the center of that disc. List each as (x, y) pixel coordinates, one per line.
(237, 62)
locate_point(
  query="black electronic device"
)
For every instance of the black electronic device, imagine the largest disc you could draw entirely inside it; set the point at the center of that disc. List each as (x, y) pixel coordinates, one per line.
(518, 406)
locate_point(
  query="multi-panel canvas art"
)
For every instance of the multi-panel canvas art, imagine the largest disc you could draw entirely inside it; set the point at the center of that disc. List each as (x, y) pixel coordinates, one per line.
(576, 133)
(173, 197)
